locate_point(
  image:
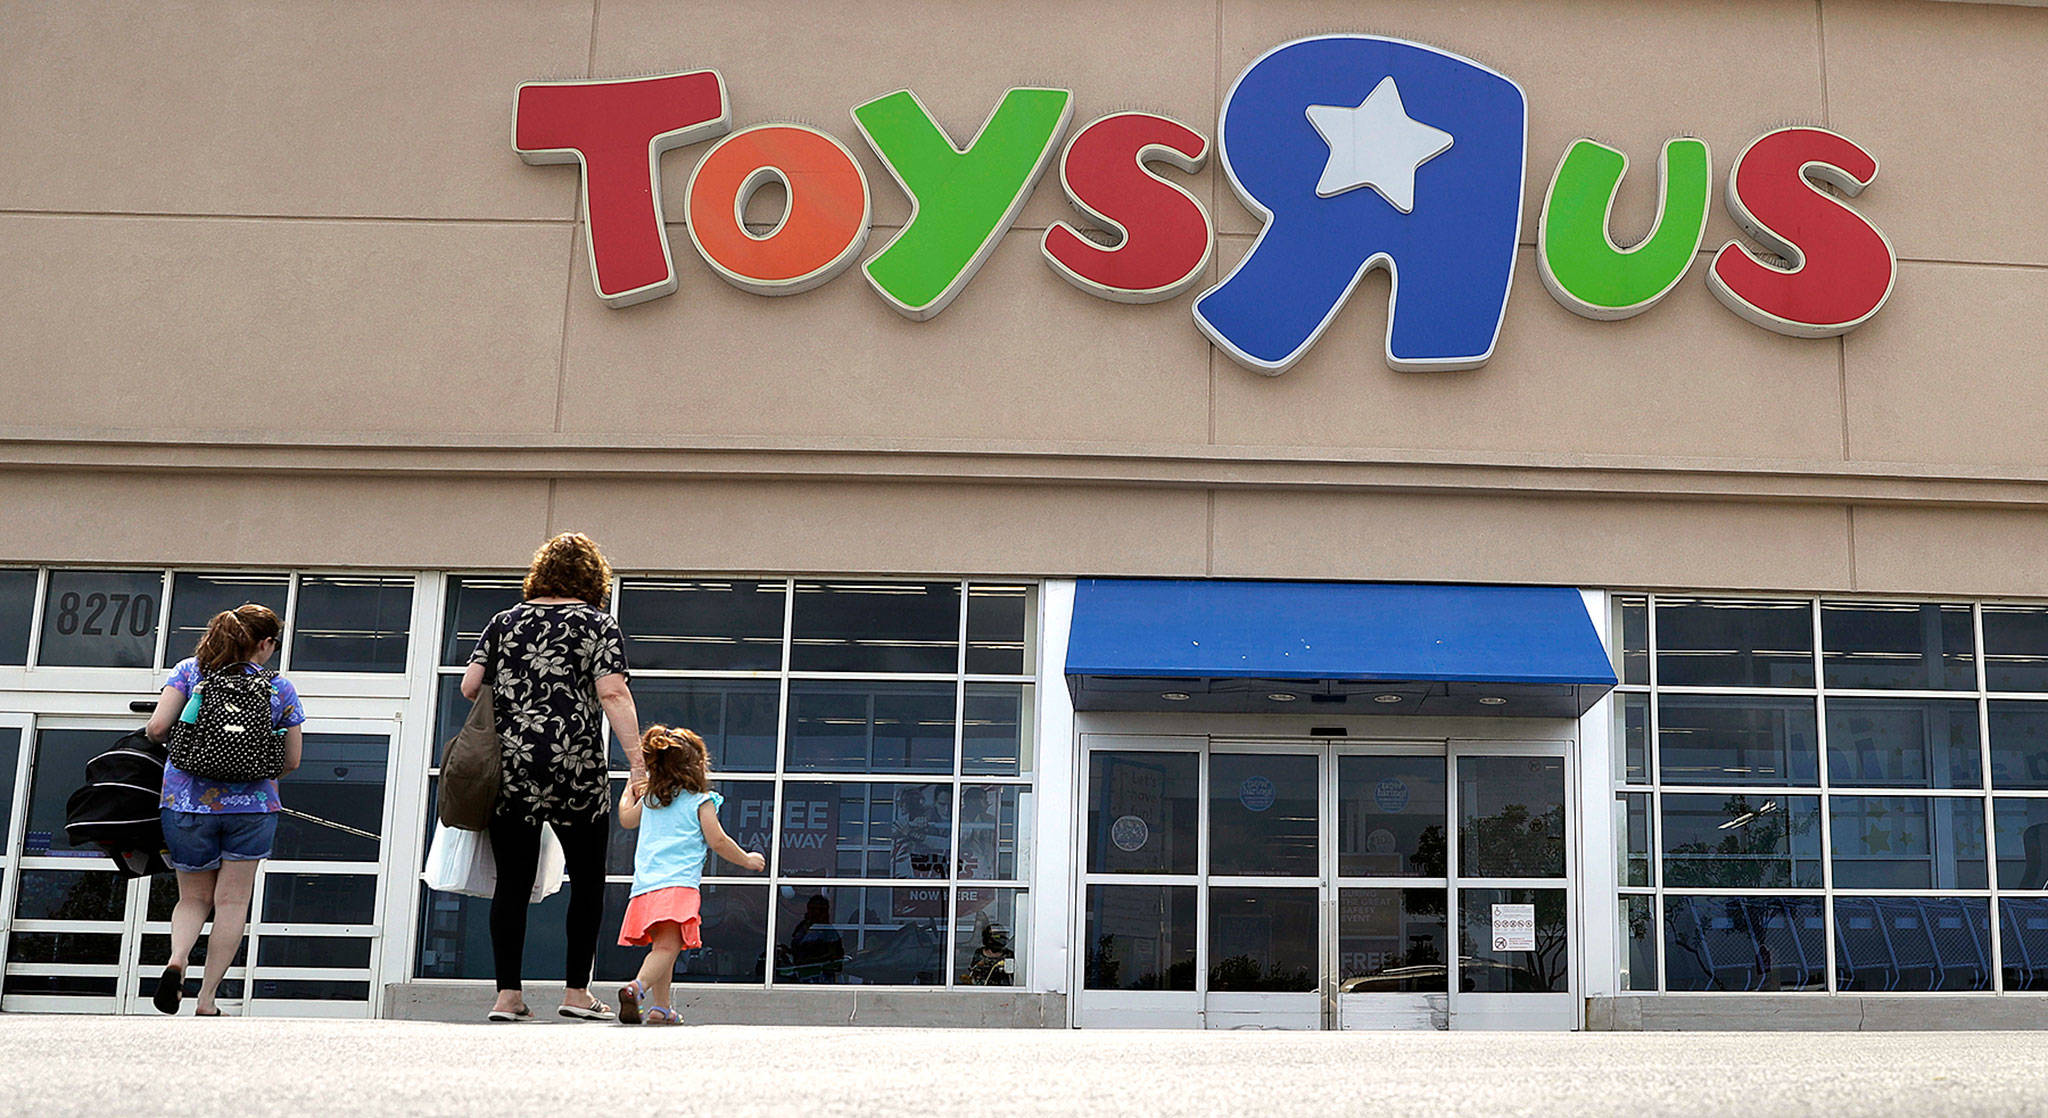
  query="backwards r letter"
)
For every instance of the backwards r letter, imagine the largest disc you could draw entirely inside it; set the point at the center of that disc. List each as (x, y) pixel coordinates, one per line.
(1439, 141)
(618, 130)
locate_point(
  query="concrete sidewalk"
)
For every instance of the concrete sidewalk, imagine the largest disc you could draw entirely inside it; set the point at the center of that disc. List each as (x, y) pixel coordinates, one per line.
(52, 1066)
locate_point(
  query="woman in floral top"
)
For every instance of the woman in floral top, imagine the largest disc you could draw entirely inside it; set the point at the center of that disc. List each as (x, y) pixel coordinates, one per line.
(554, 663)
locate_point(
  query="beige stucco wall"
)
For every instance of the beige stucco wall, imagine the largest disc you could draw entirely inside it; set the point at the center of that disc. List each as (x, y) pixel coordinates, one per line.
(321, 202)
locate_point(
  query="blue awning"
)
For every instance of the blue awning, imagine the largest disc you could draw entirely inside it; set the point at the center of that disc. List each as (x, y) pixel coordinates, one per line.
(1327, 647)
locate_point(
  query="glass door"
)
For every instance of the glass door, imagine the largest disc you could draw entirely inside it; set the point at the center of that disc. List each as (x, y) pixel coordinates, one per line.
(1452, 887)
(17, 732)
(1234, 885)
(1511, 893)
(1392, 951)
(71, 916)
(1262, 953)
(82, 939)
(1141, 885)
(315, 926)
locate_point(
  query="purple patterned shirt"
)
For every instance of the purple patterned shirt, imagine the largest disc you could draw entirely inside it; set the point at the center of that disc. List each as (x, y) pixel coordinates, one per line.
(185, 792)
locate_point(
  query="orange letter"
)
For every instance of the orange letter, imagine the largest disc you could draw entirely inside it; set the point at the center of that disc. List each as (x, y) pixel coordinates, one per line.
(824, 221)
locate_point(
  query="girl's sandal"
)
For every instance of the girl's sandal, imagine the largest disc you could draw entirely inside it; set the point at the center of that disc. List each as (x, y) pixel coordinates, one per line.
(629, 1001)
(663, 1015)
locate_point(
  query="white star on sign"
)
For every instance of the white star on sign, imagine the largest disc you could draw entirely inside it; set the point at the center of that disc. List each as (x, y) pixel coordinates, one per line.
(1376, 144)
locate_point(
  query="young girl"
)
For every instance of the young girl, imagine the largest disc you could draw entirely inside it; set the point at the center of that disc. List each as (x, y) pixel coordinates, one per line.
(676, 814)
(216, 832)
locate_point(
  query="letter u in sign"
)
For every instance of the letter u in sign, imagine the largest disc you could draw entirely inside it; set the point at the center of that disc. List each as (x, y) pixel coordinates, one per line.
(1584, 269)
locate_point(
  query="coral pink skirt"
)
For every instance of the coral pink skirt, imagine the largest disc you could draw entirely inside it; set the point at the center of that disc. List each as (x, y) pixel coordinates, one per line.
(676, 905)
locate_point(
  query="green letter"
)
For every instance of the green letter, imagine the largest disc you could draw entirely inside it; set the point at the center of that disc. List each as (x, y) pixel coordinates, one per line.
(1582, 266)
(961, 201)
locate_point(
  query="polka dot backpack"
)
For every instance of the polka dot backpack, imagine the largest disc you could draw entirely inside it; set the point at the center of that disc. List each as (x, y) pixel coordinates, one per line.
(231, 737)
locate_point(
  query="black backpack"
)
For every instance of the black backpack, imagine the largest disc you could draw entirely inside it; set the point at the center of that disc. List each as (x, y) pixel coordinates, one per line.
(232, 738)
(118, 810)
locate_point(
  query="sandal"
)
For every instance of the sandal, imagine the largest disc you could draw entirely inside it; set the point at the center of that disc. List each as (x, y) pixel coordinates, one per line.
(629, 1001)
(663, 1015)
(509, 1017)
(595, 1011)
(215, 1013)
(170, 988)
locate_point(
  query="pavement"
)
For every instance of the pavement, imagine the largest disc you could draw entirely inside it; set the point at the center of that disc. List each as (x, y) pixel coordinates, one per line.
(52, 1066)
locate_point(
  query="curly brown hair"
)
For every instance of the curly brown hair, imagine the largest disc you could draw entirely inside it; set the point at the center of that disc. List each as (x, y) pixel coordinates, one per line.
(569, 566)
(676, 761)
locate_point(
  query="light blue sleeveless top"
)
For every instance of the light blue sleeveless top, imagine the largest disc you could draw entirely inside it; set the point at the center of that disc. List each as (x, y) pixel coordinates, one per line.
(671, 849)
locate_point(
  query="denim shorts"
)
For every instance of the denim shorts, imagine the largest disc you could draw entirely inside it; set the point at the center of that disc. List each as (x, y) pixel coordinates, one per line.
(199, 841)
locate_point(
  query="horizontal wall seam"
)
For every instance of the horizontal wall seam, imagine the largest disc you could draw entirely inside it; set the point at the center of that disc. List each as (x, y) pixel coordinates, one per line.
(1562, 476)
(115, 447)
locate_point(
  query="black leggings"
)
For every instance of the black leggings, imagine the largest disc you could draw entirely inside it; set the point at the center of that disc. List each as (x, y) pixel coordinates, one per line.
(516, 846)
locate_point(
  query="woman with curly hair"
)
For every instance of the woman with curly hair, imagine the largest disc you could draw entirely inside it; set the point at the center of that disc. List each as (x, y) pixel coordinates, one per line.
(552, 662)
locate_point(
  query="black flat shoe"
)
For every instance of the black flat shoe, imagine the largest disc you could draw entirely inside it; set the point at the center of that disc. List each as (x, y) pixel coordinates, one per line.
(170, 987)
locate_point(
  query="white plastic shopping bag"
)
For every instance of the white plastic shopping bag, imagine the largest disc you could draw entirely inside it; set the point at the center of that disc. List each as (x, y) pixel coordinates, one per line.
(461, 862)
(547, 879)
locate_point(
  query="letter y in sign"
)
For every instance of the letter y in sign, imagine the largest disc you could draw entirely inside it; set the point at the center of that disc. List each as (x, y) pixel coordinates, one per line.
(962, 199)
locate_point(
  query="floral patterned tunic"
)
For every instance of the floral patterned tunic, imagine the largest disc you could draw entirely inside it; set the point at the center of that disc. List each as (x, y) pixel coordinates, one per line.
(543, 663)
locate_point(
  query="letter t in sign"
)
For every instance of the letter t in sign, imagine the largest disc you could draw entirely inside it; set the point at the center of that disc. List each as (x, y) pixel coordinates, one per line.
(617, 130)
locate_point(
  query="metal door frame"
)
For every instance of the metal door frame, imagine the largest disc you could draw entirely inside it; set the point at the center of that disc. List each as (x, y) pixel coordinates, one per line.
(1383, 1011)
(1191, 1009)
(14, 825)
(126, 927)
(1518, 1010)
(1233, 1009)
(371, 715)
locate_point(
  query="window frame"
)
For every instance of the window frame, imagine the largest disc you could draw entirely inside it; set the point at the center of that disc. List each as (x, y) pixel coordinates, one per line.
(1652, 783)
(1021, 885)
(37, 676)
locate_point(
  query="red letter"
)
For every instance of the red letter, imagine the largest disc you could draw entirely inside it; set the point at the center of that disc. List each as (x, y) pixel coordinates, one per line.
(1165, 232)
(618, 130)
(824, 219)
(1842, 267)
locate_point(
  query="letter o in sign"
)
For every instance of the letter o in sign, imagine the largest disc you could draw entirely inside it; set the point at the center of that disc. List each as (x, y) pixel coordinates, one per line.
(824, 222)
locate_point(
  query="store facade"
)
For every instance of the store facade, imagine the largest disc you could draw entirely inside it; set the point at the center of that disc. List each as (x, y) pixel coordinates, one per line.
(1145, 618)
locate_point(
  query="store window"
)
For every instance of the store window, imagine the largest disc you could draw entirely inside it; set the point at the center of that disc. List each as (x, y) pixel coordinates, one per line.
(17, 613)
(873, 737)
(1796, 778)
(704, 623)
(197, 596)
(101, 619)
(154, 618)
(351, 623)
(886, 627)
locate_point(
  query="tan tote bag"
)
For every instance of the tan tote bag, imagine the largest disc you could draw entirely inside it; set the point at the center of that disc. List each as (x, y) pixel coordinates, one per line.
(470, 769)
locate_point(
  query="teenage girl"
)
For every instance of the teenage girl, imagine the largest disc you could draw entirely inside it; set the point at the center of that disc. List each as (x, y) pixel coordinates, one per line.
(215, 833)
(676, 814)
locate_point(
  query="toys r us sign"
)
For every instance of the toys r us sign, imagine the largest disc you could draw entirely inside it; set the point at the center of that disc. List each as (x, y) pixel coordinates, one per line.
(1355, 151)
